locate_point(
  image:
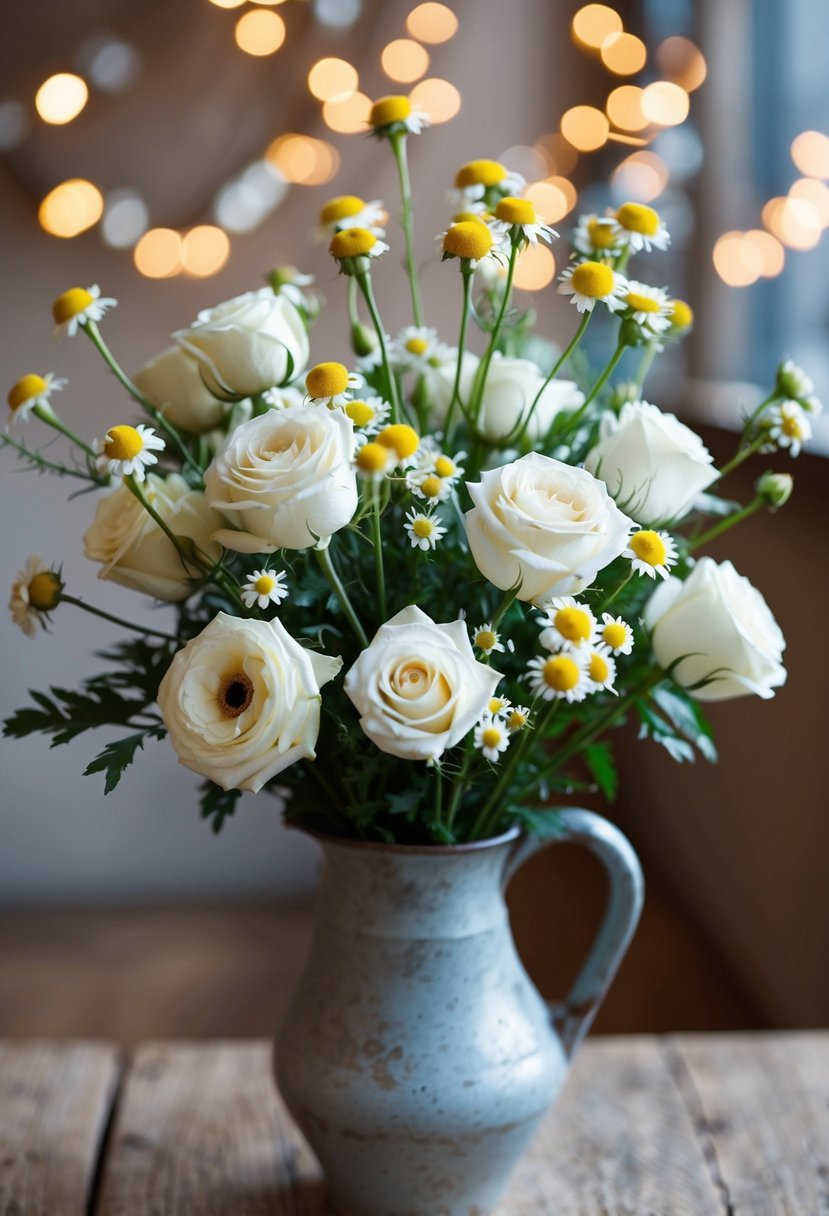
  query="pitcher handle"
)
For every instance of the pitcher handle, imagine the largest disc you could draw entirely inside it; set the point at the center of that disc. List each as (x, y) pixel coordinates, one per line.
(572, 1017)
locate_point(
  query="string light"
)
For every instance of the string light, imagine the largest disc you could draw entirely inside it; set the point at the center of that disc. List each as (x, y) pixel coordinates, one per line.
(683, 62)
(593, 23)
(404, 60)
(535, 268)
(61, 98)
(816, 193)
(125, 219)
(71, 208)
(348, 117)
(228, 3)
(764, 252)
(640, 177)
(259, 32)
(623, 54)
(553, 198)
(810, 152)
(204, 250)
(333, 79)
(304, 160)
(585, 127)
(158, 254)
(432, 23)
(733, 260)
(440, 99)
(665, 103)
(624, 108)
(794, 221)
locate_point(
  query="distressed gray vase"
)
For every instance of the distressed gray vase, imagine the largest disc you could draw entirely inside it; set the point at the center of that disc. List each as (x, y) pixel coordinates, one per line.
(416, 1056)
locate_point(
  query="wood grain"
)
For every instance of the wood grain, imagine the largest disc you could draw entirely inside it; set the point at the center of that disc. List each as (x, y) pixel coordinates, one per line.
(762, 1105)
(55, 1101)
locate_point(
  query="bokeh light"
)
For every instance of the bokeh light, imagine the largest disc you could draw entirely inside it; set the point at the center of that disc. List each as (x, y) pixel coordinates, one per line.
(683, 62)
(61, 98)
(304, 160)
(348, 117)
(624, 54)
(125, 219)
(228, 3)
(561, 156)
(816, 193)
(523, 159)
(243, 203)
(585, 127)
(640, 177)
(734, 260)
(535, 268)
(810, 152)
(333, 79)
(439, 98)
(158, 254)
(339, 14)
(204, 250)
(794, 221)
(111, 64)
(665, 103)
(624, 108)
(595, 22)
(260, 32)
(552, 198)
(432, 23)
(764, 252)
(404, 60)
(70, 208)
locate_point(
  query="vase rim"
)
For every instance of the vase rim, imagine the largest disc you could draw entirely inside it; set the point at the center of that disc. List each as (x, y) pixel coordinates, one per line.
(411, 850)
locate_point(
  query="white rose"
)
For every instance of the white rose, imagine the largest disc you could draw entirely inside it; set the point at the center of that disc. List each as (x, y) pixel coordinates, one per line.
(724, 626)
(441, 380)
(133, 549)
(418, 687)
(172, 383)
(653, 464)
(247, 344)
(285, 479)
(512, 386)
(242, 701)
(545, 523)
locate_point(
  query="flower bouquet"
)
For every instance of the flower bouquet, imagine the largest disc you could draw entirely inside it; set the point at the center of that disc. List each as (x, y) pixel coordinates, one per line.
(414, 596)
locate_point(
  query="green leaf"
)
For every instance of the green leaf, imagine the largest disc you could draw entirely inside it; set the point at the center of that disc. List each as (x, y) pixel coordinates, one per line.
(688, 719)
(217, 804)
(599, 759)
(546, 824)
(118, 756)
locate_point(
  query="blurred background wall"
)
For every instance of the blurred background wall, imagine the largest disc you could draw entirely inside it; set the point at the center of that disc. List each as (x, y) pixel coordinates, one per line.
(717, 114)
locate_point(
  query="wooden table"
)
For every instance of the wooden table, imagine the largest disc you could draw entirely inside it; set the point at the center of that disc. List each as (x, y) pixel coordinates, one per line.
(693, 1125)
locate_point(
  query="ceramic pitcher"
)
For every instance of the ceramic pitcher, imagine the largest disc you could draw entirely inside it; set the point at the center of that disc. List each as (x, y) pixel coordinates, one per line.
(416, 1056)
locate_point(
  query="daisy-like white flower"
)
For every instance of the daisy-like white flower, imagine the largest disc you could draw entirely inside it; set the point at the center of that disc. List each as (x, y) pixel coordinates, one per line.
(792, 381)
(426, 484)
(517, 718)
(390, 115)
(601, 670)
(596, 238)
(331, 384)
(402, 441)
(350, 211)
(682, 317)
(498, 707)
(289, 283)
(486, 638)
(432, 459)
(789, 426)
(35, 593)
(126, 451)
(413, 347)
(491, 738)
(616, 634)
(32, 391)
(350, 245)
(282, 398)
(652, 553)
(640, 227)
(566, 624)
(368, 414)
(518, 219)
(591, 283)
(649, 307)
(478, 178)
(470, 240)
(559, 677)
(423, 529)
(373, 461)
(264, 587)
(78, 305)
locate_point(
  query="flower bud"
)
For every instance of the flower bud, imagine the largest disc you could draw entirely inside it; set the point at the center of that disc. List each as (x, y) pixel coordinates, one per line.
(363, 339)
(775, 489)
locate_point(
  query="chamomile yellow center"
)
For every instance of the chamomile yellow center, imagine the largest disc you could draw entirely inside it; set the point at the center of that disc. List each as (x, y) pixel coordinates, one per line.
(444, 467)
(496, 704)
(593, 279)
(485, 639)
(352, 243)
(636, 217)
(561, 673)
(326, 380)
(468, 239)
(601, 234)
(341, 208)
(480, 173)
(27, 387)
(44, 591)
(431, 486)
(614, 635)
(640, 303)
(790, 425)
(123, 443)
(400, 438)
(468, 217)
(516, 211)
(235, 694)
(387, 110)
(649, 547)
(682, 315)
(360, 412)
(574, 624)
(599, 668)
(264, 585)
(372, 458)
(417, 346)
(516, 720)
(72, 302)
(490, 736)
(423, 527)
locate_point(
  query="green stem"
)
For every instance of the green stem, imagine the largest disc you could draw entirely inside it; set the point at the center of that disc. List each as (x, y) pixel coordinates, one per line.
(757, 411)
(466, 275)
(42, 463)
(576, 418)
(46, 414)
(351, 301)
(493, 807)
(378, 550)
(557, 366)
(483, 369)
(364, 281)
(506, 603)
(723, 525)
(618, 590)
(623, 259)
(327, 567)
(398, 147)
(645, 365)
(742, 455)
(438, 794)
(116, 620)
(458, 789)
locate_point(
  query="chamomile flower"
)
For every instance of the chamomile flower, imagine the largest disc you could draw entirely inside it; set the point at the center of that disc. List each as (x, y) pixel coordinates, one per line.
(682, 317)
(368, 414)
(792, 381)
(591, 283)
(616, 634)
(289, 283)
(517, 718)
(649, 307)
(517, 219)
(35, 592)
(79, 305)
(640, 227)
(373, 461)
(331, 384)
(433, 460)
(127, 451)
(652, 553)
(427, 484)
(470, 240)
(478, 178)
(396, 114)
(601, 669)
(350, 211)
(413, 347)
(491, 738)
(596, 238)
(486, 638)
(789, 426)
(403, 441)
(423, 529)
(498, 707)
(263, 588)
(32, 391)
(566, 624)
(559, 677)
(351, 246)
(282, 398)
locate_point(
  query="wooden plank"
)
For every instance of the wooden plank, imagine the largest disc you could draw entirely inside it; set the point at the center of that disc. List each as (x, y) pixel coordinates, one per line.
(200, 1130)
(762, 1101)
(55, 1101)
